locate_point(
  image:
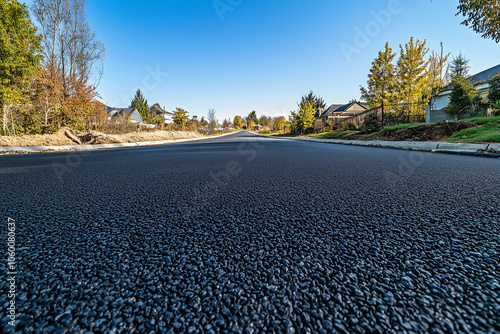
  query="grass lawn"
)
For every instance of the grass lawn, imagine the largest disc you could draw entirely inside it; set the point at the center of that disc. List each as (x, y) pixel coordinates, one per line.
(485, 120)
(334, 135)
(487, 131)
(330, 135)
(402, 126)
(279, 135)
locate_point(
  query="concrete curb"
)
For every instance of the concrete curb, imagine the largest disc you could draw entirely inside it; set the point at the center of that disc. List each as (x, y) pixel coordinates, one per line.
(64, 148)
(490, 150)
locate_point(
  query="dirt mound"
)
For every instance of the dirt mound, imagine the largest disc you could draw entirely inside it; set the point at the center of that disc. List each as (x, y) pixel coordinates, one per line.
(431, 132)
(96, 137)
(56, 139)
(66, 136)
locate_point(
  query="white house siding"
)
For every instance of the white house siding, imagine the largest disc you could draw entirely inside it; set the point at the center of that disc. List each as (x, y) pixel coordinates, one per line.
(135, 116)
(444, 99)
(168, 118)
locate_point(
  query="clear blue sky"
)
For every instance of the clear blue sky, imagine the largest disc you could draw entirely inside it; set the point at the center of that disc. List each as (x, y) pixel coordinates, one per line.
(242, 55)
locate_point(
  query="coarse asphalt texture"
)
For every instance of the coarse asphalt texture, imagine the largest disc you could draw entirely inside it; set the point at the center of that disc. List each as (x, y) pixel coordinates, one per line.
(244, 234)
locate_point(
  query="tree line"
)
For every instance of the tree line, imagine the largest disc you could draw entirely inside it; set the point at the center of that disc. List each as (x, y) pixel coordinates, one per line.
(48, 76)
(414, 80)
(265, 123)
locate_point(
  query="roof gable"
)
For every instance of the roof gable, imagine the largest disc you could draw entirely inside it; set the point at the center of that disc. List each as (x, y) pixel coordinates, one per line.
(485, 75)
(158, 110)
(334, 108)
(331, 109)
(131, 112)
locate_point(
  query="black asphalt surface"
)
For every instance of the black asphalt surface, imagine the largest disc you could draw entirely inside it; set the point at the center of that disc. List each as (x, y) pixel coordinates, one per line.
(244, 234)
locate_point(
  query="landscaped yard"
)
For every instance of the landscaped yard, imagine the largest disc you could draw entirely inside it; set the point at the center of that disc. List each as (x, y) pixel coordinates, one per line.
(481, 129)
(488, 130)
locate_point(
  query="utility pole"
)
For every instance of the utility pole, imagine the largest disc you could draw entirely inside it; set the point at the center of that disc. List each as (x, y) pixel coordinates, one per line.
(382, 113)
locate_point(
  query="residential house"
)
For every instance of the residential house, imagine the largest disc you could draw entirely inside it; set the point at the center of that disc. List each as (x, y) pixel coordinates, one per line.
(132, 113)
(480, 81)
(157, 110)
(337, 113)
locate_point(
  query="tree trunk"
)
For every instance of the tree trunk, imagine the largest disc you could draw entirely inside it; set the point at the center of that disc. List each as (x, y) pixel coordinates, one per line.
(13, 126)
(5, 118)
(46, 112)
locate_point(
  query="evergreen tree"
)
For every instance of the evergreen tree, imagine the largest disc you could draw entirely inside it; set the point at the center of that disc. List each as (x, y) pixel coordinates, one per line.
(315, 100)
(463, 97)
(381, 80)
(253, 117)
(20, 54)
(494, 92)
(140, 103)
(459, 67)
(412, 83)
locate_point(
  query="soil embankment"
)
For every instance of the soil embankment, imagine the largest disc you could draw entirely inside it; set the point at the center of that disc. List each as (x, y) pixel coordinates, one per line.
(68, 137)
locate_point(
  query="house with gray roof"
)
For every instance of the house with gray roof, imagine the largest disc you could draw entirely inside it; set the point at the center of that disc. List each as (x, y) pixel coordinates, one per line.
(132, 113)
(480, 81)
(337, 112)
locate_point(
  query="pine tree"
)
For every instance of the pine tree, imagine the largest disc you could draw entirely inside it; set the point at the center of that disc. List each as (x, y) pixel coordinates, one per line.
(20, 54)
(459, 67)
(253, 117)
(381, 80)
(317, 101)
(412, 83)
(494, 92)
(140, 103)
(463, 97)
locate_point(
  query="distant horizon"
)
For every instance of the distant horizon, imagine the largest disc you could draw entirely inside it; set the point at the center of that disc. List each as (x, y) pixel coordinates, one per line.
(256, 55)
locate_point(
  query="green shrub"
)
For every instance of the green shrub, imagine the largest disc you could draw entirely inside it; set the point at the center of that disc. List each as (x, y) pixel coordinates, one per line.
(371, 124)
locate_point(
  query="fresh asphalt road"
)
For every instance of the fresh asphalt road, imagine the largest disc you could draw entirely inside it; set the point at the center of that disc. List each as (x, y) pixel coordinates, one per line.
(245, 234)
